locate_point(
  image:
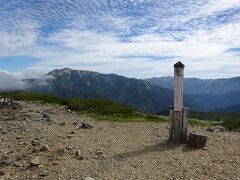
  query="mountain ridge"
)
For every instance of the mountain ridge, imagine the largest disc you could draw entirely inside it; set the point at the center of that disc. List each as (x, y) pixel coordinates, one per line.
(88, 84)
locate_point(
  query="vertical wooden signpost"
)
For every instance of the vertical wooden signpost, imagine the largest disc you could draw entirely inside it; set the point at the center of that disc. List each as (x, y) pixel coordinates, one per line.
(178, 114)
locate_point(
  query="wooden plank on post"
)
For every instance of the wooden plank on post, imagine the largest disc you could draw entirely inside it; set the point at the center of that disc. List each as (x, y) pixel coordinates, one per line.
(171, 124)
(184, 125)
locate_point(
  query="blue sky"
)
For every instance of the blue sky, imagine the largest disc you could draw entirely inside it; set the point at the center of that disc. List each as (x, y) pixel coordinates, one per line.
(135, 38)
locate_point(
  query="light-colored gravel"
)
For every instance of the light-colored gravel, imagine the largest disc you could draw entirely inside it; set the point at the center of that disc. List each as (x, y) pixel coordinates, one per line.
(108, 150)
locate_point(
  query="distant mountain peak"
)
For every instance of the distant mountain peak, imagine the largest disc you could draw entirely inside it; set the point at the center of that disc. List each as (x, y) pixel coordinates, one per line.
(69, 71)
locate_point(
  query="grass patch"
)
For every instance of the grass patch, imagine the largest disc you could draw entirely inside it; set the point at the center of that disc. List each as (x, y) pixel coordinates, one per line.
(231, 124)
(31, 96)
(197, 122)
(132, 118)
(102, 109)
(98, 106)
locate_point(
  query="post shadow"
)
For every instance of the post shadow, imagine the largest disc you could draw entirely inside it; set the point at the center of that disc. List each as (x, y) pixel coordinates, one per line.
(163, 146)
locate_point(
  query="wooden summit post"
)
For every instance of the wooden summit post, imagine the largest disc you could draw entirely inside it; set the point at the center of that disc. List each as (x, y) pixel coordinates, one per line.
(178, 114)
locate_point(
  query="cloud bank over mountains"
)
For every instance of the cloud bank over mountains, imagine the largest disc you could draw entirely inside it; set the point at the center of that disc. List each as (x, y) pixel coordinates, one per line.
(10, 82)
(135, 38)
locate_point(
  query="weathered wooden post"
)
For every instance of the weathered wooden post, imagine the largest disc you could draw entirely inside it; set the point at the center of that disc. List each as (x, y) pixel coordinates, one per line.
(178, 114)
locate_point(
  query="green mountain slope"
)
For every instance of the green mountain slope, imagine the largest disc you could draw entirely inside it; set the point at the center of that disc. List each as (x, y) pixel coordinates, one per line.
(86, 84)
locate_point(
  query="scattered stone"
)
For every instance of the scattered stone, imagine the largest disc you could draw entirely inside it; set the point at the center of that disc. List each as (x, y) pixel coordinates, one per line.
(216, 128)
(44, 148)
(35, 149)
(35, 161)
(75, 123)
(8, 103)
(35, 142)
(77, 153)
(19, 137)
(99, 153)
(96, 157)
(43, 172)
(22, 143)
(86, 125)
(204, 148)
(69, 136)
(62, 123)
(4, 132)
(9, 151)
(79, 156)
(210, 130)
(68, 148)
(89, 178)
(45, 116)
(17, 164)
(72, 132)
(60, 151)
(219, 128)
(2, 173)
(197, 140)
(5, 160)
(55, 163)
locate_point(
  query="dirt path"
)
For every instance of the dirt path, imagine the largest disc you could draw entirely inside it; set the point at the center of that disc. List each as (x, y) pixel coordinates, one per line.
(36, 144)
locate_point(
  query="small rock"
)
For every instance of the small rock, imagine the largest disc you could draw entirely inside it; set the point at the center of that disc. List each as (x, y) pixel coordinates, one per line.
(62, 123)
(19, 137)
(99, 153)
(75, 123)
(86, 125)
(210, 130)
(35, 142)
(60, 151)
(17, 164)
(96, 157)
(72, 132)
(5, 160)
(45, 116)
(204, 148)
(43, 172)
(68, 148)
(77, 153)
(55, 163)
(197, 140)
(2, 173)
(35, 161)
(79, 156)
(44, 148)
(4, 132)
(35, 149)
(9, 151)
(219, 128)
(89, 178)
(69, 136)
(22, 143)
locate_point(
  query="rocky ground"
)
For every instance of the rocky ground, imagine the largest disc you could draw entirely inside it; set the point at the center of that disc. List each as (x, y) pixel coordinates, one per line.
(50, 142)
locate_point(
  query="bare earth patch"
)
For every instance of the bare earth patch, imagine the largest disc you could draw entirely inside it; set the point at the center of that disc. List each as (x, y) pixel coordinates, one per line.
(44, 142)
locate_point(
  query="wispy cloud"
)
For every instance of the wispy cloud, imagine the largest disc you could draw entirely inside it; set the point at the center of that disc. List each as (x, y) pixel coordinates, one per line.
(10, 82)
(100, 35)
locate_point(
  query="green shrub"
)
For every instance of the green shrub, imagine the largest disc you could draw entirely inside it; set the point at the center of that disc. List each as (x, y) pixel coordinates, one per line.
(98, 106)
(231, 124)
(31, 96)
(197, 122)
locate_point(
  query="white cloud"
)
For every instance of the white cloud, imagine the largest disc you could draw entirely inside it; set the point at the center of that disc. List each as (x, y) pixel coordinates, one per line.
(101, 35)
(10, 82)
